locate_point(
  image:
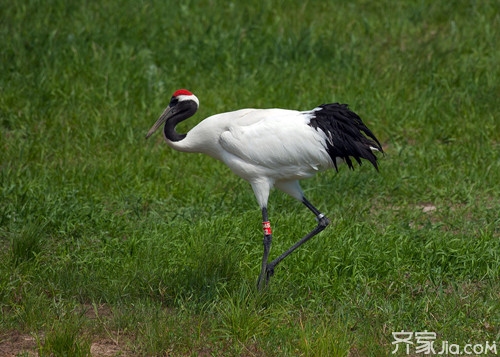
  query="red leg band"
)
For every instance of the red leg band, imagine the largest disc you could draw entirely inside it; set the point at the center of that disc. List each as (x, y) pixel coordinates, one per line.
(267, 228)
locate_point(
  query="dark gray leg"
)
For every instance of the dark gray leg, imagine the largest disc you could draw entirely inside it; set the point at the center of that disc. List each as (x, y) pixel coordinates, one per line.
(264, 273)
(269, 267)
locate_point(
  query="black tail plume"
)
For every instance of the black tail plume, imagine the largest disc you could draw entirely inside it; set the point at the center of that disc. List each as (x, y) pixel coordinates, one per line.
(346, 134)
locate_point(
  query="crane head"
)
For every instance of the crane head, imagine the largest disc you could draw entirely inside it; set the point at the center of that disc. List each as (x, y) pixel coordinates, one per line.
(182, 102)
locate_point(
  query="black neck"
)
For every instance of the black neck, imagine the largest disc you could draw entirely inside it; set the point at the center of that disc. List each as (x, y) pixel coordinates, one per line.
(182, 111)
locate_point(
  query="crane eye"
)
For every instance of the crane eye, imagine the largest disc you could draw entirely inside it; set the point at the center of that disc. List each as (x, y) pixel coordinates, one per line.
(173, 101)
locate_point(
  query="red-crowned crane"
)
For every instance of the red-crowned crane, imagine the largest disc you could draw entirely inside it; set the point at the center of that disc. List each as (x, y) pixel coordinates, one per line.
(273, 148)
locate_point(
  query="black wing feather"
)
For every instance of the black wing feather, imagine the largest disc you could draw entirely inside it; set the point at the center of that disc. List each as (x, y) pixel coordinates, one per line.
(347, 135)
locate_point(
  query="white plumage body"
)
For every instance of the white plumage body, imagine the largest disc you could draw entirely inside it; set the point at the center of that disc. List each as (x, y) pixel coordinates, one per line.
(266, 147)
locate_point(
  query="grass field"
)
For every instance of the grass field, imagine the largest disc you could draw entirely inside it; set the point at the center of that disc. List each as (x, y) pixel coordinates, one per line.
(111, 245)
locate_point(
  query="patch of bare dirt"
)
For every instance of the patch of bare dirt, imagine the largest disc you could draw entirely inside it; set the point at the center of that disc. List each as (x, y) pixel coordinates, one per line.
(107, 348)
(14, 343)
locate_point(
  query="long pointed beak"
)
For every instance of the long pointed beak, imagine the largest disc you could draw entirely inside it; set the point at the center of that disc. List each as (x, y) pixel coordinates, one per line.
(161, 120)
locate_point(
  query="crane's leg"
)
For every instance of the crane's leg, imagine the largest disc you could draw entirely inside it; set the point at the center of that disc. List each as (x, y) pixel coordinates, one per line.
(322, 224)
(264, 273)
